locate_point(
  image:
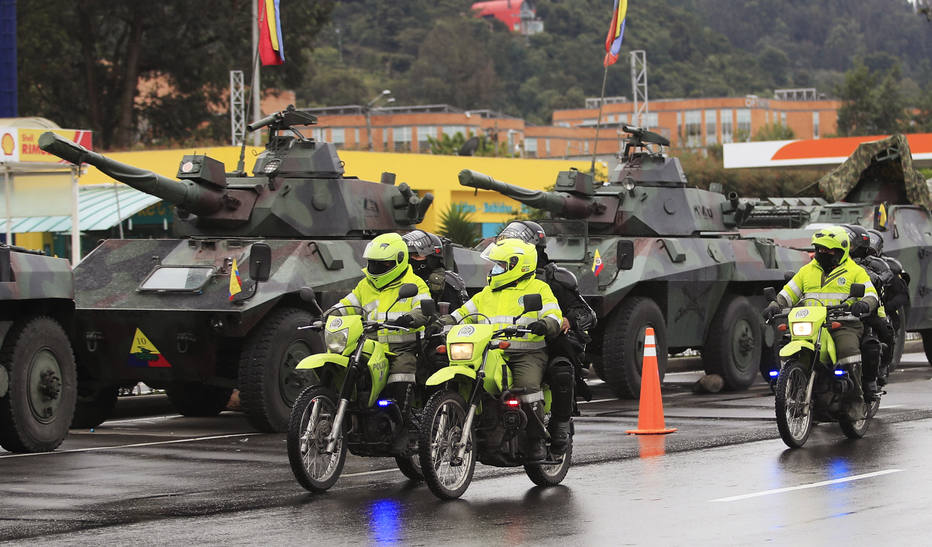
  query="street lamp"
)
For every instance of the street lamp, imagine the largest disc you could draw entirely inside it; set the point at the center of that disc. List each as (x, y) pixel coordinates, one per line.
(368, 107)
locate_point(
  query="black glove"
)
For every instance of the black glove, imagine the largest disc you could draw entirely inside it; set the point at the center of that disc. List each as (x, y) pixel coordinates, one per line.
(538, 327)
(772, 309)
(860, 308)
(404, 321)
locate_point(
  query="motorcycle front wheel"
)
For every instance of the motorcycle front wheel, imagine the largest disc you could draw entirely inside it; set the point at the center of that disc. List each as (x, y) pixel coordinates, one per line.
(312, 419)
(794, 414)
(857, 429)
(441, 428)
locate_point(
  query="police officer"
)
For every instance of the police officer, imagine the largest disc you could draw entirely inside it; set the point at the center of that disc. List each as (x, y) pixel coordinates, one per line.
(895, 291)
(386, 270)
(828, 278)
(513, 276)
(425, 251)
(578, 318)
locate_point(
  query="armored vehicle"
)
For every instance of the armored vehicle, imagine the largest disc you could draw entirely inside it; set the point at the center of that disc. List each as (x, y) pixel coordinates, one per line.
(37, 371)
(649, 251)
(877, 187)
(219, 307)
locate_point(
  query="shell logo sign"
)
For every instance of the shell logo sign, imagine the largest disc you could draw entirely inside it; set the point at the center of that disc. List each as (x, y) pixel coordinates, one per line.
(22, 145)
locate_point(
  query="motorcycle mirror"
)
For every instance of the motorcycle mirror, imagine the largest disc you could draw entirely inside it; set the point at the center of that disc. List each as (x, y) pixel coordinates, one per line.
(857, 290)
(306, 294)
(407, 290)
(428, 307)
(443, 308)
(532, 302)
(771, 294)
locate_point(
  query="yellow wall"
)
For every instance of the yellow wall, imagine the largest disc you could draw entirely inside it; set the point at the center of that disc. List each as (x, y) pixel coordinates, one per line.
(423, 172)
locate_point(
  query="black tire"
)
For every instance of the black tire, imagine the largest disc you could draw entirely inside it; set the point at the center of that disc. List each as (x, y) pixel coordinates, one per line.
(410, 466)
(623, 345)
(268, 383)
(94, 406)
(794, 420)
(39, 404)
(307, 445)
(594, 351)
(551, 475)
(857, 429)
(733, 345)
(927, 343)
(197, 399)
(442, 423)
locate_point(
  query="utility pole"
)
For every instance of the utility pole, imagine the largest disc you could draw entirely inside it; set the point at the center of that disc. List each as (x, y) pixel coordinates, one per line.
(639, 87)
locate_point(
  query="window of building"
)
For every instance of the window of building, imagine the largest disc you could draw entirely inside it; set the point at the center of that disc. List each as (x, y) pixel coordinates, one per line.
(783, 118)
(711, 127)
(727, 128)
(693, 128)
(585, 147)
(815, 125)
(530, 148)
(547, 146)
(386, 137)
(744, 124)
(338, 137)
(452, 130)
(423, 132)
(679, 126)
(356, 137)
(402, 139)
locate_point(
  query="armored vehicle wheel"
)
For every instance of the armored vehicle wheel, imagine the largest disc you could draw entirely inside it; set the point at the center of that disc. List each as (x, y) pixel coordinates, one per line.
(39, 404)
(733, 346)
(268, 382)
(595, 353)
(623, 357)
(198, 399)
(94, 406)
(927, 344)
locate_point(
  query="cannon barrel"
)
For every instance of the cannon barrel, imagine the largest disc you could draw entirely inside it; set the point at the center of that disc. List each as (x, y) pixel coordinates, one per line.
(187, 195)
(557, 203)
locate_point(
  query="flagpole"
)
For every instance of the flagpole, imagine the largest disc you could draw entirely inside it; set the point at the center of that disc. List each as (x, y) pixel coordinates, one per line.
(598, 123)
(256, 95)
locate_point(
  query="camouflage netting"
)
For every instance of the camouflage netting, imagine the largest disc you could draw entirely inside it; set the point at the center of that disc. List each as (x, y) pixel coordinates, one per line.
(886, 164)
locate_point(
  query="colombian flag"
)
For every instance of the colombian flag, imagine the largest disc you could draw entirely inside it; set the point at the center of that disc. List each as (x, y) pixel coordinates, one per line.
(597, 264)
(236, 284)
(616, 32)
(880, 217)
(271, 50)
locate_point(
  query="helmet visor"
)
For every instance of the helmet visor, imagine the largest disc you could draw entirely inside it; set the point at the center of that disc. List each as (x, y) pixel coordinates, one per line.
(378, 267)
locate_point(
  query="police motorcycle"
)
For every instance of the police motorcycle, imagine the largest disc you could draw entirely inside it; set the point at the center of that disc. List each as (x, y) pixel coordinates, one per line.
(476, 415)
(811, 387)
(344, 409)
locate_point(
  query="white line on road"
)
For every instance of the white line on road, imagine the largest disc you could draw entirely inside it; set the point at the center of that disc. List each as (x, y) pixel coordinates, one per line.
(812, 485)
(596, 401)
(135, 445)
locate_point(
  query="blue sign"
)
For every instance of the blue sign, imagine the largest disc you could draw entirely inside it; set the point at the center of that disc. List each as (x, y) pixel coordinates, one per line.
(8, 106)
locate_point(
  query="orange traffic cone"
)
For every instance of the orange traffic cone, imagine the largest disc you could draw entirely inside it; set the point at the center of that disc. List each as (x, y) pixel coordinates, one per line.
(650, 413)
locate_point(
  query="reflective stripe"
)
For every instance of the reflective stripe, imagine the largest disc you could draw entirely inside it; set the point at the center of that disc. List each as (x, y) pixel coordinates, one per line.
(874, 296)
(531, 397)
(353, 300)
(471, 307)
(827, 297)
(421, 296)
(548, 307)
(456, 316)
(792, 286)
(381, 316)
(400, 377)
(525, 320)
(525, 345)
(790, 299)
(504, 319)
(555, 315)
(650, 351)
(851, 359)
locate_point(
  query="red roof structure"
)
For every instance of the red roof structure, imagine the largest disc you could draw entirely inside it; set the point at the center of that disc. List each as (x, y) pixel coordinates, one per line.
(518, 15)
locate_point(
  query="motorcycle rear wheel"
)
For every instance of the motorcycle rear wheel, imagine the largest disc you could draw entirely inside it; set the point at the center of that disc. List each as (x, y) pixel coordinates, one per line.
(308, 430)
(794, 419)
(551, 475)
(441, 427)
(857, 429)
(410, 466)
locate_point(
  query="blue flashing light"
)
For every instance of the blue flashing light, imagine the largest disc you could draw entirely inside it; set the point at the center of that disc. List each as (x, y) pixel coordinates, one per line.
(774, 373)
(384, 402)
(839, 372)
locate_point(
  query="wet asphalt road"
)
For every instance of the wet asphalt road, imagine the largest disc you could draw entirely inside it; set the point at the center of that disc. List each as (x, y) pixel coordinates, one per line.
(723, 478)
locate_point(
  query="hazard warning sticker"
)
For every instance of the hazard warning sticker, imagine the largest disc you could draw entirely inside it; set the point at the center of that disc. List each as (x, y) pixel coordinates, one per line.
(143, 353)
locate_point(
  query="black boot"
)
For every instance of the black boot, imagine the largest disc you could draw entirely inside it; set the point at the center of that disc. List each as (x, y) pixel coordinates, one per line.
(559, 436)
(535, 449)
(400, 392)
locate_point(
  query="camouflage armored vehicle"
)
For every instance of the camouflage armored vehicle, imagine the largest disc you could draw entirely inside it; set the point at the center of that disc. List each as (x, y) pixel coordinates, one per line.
(219, 307)
(878, 188)
(649, 251)
(37, 371)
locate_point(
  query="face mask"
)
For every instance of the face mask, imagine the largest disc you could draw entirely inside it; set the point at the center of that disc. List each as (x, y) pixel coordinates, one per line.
(496, 269)
(826, 261)
(421, 268)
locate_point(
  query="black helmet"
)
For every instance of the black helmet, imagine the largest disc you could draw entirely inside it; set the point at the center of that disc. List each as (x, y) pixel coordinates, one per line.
(875, 245)
(860, 240)
(423, 243)
(525, 230)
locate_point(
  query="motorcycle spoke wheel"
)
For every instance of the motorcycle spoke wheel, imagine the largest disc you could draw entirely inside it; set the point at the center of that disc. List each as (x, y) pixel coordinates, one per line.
(793, 413)
(442, 426)
(312, 420)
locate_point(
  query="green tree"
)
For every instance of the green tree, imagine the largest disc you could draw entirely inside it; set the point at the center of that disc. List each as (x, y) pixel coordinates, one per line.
(871, 103)
(456, 224)
(774, 132)
(81, 63)
(451, 146)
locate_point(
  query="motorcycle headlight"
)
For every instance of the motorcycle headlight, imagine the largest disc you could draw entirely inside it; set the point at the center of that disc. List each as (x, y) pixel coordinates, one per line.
(461, 351)
(336, 340)
(802, 329)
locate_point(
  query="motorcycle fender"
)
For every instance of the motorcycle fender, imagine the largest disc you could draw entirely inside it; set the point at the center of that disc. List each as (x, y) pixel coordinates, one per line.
(795, 346)
(448, 373)
(320, 359)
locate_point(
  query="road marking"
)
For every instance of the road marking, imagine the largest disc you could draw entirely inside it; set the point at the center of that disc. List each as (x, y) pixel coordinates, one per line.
(811, 485)
(885, 407)
(597, 401)
(376, 472)
(134, 445)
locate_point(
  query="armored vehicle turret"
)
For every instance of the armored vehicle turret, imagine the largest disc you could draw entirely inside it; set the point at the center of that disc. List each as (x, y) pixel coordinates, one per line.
(219, 307)
(37, 372)
(650, 251)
